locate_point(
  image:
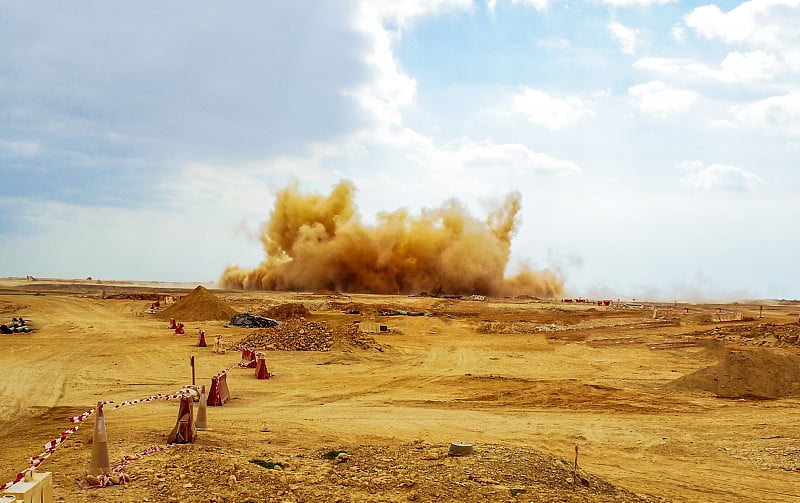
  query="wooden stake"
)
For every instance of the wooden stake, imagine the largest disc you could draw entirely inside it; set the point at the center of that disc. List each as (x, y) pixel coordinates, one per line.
(192, 362)
(575, 467)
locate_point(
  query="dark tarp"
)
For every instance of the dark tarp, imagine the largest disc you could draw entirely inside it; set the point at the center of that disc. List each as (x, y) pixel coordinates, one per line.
(248, 320)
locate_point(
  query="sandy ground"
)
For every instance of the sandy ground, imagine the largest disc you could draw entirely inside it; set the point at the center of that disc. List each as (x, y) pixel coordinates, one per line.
(514, 377)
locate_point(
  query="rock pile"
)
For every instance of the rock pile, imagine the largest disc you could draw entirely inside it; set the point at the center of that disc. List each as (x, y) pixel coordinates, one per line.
(761, 374)
(294, 335)
(200, 305)
(302, 335)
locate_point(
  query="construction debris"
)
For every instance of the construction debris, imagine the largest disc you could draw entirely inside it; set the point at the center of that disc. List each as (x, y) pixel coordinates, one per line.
(17, 326)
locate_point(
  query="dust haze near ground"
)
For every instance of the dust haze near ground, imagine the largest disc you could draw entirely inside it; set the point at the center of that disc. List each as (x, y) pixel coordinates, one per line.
(525, 381)
(317, 242)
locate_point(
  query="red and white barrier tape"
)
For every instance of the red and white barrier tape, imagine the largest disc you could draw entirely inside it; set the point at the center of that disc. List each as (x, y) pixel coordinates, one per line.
(237, 345)
(35, 461)
(50, 447)
(119, 468)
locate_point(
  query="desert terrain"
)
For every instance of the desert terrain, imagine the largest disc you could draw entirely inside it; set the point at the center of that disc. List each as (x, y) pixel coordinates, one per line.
(670, 404)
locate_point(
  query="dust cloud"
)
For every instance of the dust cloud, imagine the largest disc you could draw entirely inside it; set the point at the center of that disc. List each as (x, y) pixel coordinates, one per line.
(315, 242)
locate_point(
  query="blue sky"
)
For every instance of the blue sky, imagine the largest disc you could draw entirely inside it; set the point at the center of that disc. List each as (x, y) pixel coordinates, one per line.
(655, 143)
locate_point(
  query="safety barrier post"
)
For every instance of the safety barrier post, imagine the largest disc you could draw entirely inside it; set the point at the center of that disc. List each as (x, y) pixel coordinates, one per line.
(184, 431)
(34, 488)
(218, 394)
(248, 358)
(261, 367)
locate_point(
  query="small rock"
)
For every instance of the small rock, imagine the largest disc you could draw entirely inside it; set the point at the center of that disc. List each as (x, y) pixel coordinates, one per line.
(232, 480)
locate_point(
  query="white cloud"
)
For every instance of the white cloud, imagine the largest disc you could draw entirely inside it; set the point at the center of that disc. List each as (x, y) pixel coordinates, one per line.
(626, 3)
(792, 60)
(491, 6)
(628, 38)
(656, 99)
(762, 23)
(390, 89)
(498, 158)
(718, 176)
(21, 148)
(402, 13)
(679, 33)
(514, 157)
(776, 112)
(756, 65)
(537, 4)
(736, 67)
(548, 111)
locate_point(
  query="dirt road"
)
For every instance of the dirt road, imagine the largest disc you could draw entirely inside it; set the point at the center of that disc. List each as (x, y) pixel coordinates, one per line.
(591, 379)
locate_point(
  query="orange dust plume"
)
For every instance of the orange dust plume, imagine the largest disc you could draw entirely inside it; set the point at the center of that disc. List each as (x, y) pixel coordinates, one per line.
(315, 242)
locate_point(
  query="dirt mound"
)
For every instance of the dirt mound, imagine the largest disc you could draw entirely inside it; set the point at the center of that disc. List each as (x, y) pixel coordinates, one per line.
(762, 373)
(301, 335)
(200, 305)
(288, 311)
(785, 336)
(409, 472)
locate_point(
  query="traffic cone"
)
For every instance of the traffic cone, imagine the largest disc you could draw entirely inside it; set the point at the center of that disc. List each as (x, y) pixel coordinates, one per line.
(200, 421)
(202, 342)
(100, 461)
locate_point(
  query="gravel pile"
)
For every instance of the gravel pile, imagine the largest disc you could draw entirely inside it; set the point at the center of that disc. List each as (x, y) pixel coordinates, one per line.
(303, 335)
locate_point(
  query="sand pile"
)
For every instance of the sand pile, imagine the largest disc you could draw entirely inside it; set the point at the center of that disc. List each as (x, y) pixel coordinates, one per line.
(762, 373)
(288, 311)
(200, 305)
(301, 335)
